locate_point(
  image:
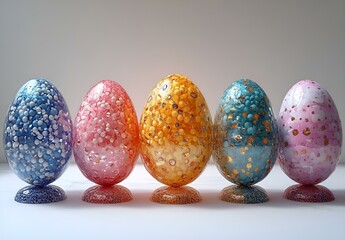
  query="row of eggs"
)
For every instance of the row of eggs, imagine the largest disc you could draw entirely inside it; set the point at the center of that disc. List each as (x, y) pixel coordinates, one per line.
(175, 135)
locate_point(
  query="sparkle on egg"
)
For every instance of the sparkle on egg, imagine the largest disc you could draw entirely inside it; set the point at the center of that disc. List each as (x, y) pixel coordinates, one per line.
(175, 131)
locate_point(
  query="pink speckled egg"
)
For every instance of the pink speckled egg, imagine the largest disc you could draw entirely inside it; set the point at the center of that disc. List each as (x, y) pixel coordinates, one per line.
(310, 132)
(106, 134)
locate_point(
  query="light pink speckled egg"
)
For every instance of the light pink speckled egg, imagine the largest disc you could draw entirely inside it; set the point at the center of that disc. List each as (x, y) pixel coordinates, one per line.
(310, 132)
(106, 134)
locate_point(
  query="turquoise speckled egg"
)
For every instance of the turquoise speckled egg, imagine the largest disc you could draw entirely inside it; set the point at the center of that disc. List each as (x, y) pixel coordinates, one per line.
(246, 134)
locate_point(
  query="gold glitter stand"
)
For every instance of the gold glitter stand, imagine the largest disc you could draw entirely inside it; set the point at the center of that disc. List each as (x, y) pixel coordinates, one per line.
(107, 194)
(176, 195)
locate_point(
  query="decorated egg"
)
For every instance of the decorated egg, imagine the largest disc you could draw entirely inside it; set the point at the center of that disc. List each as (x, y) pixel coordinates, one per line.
(246, 134)
(38, 133)
(175, 131)
(106, 134)
(311, 133)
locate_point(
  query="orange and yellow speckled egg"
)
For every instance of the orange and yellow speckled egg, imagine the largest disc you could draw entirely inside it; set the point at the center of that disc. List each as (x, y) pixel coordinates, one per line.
(175, 131)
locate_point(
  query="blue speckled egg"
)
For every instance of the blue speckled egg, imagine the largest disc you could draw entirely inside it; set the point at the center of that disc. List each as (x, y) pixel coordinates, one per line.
(38, 133)
(246, 134)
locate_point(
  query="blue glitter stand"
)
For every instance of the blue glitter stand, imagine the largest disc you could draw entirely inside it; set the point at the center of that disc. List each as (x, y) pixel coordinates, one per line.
(244, 194)
(40, 194)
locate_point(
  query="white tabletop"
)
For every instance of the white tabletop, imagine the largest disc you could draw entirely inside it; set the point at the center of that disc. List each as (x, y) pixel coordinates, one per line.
(143, 219)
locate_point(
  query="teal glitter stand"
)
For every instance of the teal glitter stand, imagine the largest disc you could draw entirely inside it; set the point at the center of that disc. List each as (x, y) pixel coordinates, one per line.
(243, 194)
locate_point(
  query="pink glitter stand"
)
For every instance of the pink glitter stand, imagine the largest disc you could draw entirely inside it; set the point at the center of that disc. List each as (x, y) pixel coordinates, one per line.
(308, 193)
(107, 194)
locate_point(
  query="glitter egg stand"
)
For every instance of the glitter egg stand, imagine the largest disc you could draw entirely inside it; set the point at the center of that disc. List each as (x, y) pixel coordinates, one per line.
(175, 138)
(37, 140)
(106, 142)
(311, 139)
(246, 141)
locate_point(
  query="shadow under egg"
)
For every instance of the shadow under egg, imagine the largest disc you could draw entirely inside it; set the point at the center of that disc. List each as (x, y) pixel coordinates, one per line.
(244, 194)
(308, 193)
(107, 194)
(176, 195)
(40, 194)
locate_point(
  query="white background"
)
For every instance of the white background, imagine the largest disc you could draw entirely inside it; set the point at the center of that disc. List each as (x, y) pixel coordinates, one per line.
(75, 44)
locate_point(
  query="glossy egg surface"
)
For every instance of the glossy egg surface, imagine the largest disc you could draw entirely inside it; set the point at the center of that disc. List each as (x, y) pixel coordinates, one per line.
(38, 133)
(106, 134)
(175, 131)
(311, 133)
(246, 134)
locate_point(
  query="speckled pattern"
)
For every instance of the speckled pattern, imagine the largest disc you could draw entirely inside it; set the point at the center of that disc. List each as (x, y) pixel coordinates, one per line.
(38, 133)
(246, 134)
(106, 134)
(311, 133)
(40, 194)
(175, 131)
